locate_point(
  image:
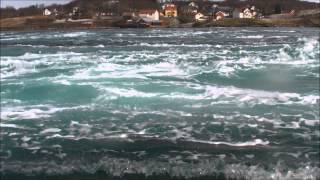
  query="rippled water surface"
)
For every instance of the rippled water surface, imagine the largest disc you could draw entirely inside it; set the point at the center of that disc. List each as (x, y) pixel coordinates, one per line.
(187, 103)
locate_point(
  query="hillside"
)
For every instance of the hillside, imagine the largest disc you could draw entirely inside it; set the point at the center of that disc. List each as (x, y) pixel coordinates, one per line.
(90, 7)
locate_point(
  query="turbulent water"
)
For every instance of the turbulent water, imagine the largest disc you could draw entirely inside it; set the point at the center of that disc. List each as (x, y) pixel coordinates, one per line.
(228, 103)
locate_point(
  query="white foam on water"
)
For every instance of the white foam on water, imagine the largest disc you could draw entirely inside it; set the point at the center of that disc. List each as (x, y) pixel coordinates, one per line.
(164, 69)
(5, 125)
(255, 142)
(54, 136)
(309, 122)
(81, 128)
(32, 112)
(142, 132)
(21, 113)
(308, 50)
(306, 55)
(25, 139)
(107, 70)
(172, 45)
(50, 130)
(73, 34)
(170, 34)
(63, 82)
(14, 134)
(172, 166)
(28, 63)
(239, 96)
(277, 36)
(129, 92)
(100, 46)
(226, 67)
(216, 94)
(11, 68)
(123, 135)
(251, 37)
(116, 71)
(33, 147)
(309, 44)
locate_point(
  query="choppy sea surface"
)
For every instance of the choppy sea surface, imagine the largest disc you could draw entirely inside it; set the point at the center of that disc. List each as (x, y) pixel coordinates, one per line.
(215, 103)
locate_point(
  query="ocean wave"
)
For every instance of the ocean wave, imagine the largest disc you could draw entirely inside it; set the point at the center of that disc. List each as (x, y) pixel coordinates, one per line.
(119, 167)
(221, 95)
(172, 45)
(170, 34)
(6, 125)
(32, 63)
(251, 37)
(255, 142)
(50, 130)
(73, 34)
(32, 112)
(306, 54)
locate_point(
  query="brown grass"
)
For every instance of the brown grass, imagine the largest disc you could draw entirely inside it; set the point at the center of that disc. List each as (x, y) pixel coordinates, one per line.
(23, 21)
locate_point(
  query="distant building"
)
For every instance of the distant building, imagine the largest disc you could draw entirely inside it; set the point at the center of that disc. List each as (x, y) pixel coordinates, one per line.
(47, 12)
(220, 15)
(75, 13)
(245, 13)
(170, 10)
(221, 12)
(152, 14)
(200, 17)
(55, 12)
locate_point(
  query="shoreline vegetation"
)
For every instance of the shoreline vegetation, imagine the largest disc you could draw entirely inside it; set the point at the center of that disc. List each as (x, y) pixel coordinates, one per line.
(47, 23)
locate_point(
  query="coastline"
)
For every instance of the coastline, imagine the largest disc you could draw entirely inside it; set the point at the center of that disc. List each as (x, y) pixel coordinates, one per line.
(44, 23)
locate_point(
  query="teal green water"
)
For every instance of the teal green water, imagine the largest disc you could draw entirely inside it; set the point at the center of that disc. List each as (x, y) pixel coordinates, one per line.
(241, 102)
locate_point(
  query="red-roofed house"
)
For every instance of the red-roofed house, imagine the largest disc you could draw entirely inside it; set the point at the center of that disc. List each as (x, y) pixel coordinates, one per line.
(220, 15)
(170, 10)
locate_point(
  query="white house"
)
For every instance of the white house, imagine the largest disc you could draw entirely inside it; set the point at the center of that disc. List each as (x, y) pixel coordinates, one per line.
(47, 12)
(246, 13)
(152, 14)
(200, 17)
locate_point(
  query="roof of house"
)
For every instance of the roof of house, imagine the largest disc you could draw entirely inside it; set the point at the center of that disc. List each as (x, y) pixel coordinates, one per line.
(170, 8)
(169, 5)
(223, 9)
(220, 13)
